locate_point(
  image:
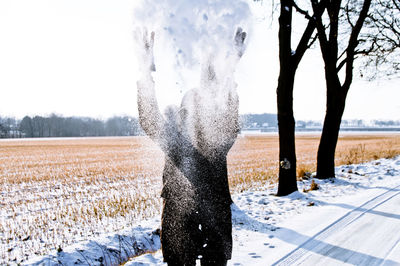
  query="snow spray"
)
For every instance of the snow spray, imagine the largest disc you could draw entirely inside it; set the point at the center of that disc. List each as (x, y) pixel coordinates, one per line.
(188, 33)
(206, 39)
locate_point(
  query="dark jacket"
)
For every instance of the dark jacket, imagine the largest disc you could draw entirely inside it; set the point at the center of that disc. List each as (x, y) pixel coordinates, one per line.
(195, 139)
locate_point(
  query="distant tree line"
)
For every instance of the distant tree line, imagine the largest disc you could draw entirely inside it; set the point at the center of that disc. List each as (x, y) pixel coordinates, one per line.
(9, 128)
(388, 123)
(58, 126)
(258, 120)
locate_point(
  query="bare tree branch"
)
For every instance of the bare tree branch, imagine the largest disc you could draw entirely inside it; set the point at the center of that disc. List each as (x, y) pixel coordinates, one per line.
(353, 42)
(301, 11)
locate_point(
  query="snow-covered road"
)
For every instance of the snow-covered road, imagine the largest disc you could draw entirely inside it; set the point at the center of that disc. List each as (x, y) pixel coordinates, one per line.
(366, 235)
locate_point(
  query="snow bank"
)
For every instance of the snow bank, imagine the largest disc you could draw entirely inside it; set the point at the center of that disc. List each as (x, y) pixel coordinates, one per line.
(109, 249)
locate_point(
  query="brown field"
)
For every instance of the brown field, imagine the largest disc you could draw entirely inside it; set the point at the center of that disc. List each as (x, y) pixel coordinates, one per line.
(91, 160)
(253, 160)
(59, 191)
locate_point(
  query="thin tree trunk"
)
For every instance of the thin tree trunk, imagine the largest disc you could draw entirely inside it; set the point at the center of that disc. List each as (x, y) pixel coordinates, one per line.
(287, 153)
(330, 133)
(286, 125)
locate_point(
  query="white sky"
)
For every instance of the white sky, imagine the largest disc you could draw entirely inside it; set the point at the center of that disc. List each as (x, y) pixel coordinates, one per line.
(76, 57)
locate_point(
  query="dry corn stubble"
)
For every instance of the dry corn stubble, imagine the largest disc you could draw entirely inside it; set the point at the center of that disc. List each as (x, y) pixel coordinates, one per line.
(59, 191)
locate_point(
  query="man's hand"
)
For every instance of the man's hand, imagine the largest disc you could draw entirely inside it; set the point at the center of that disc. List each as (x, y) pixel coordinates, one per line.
(240, 36)
(144, 46)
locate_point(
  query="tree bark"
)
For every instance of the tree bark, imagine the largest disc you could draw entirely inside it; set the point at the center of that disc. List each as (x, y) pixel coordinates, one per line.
(336, 99)
(286, 126)
(287, 152)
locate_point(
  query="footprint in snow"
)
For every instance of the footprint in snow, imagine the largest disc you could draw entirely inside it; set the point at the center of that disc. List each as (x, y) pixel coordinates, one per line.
(254, 255)
(263, 201)
(271, 246)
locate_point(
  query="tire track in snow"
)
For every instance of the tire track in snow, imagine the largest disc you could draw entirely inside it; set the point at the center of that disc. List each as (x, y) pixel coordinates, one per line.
(317, 240)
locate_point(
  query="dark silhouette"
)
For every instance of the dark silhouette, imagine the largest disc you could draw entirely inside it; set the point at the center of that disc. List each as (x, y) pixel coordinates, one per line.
(379, 43)
(289, 61)
(335, 60)
(196, 138)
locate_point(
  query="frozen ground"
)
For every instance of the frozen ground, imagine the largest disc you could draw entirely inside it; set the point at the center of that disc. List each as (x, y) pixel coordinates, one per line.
(352, 219)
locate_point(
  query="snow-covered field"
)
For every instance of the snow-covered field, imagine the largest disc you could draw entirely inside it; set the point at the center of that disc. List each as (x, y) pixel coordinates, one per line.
(352, 219)
(59, 192)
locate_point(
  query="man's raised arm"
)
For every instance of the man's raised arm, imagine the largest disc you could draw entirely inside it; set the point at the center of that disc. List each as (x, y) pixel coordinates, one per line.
(150, 117)
(232, 101)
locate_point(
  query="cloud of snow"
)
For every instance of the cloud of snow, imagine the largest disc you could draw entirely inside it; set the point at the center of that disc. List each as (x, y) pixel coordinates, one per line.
(189, 32)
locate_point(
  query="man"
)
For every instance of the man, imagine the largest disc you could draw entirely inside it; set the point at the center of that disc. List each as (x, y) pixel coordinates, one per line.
(196, 138)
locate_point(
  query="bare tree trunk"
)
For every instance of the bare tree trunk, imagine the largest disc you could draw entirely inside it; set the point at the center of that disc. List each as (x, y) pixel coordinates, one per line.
(287, 152)
(336, 90)
(330, 133)
(286, 125)
(289, 61)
